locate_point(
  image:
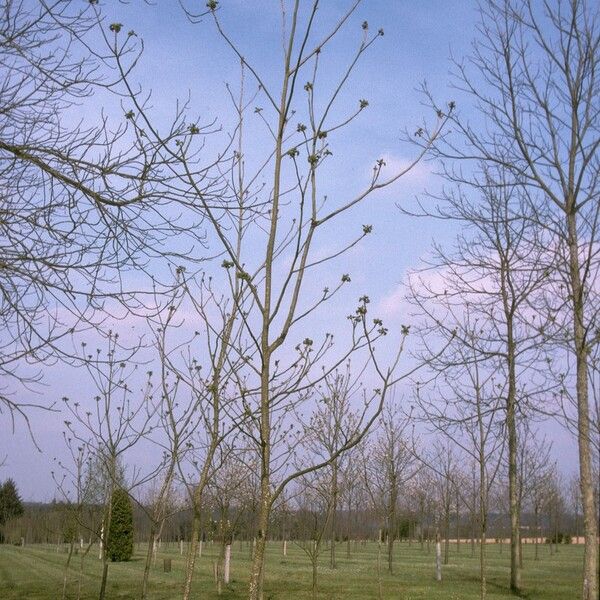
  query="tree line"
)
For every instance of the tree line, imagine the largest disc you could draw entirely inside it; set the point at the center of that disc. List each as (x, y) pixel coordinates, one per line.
(333, 513)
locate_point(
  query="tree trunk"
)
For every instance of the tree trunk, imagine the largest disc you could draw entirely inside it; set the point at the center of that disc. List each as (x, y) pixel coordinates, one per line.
(227, 564)
(447, 528)
(483, 513)
(334, 501)
(483, 563)
(422, 525)
(586, 479)
(391, 536)
(66, 572)
(457, 523)
(149, 554)
(104, 535)
(258, 560)
(379, 586)
(520, 551)
(192, 550)
(348, 521)
(513, 490)
(267, 349)
(314, 558)
(102, 594)
(438, 557)
(537, 531)
(80, 574)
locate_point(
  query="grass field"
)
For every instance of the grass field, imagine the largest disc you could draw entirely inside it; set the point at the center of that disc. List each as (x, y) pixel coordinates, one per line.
(35, 573)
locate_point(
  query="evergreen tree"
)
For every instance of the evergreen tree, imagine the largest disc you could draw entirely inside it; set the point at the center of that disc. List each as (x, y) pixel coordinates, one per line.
(10, 502)
(119, 545)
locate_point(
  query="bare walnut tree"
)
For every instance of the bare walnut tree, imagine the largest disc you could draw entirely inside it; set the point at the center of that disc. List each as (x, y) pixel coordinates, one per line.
(267, 212)
(477, 299)
(533, 75)
(463, 403)
(84, 196)
(329, 428)
(119, 420)
(391, 466)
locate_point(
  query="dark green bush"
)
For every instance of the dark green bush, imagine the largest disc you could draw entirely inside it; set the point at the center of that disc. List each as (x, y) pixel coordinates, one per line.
(119, 546)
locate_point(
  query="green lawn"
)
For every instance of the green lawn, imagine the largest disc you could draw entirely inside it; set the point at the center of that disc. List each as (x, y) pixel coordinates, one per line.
(35, 573)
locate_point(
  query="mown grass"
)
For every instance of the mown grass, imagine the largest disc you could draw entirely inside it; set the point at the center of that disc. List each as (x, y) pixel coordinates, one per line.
(36, 572)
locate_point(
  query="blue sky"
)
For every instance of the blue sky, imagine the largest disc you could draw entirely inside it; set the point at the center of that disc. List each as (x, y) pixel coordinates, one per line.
(182, 58)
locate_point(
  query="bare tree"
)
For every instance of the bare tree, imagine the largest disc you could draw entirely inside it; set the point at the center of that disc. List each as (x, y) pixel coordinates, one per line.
(229, 490)
(325, 433)
(206, 367)
(118, 422)
(554, 507)
(268, 235)
(352, 494)
(315, 503)
(76, 487)
(85, 199)
(182, 405)
(481, 302)
(423, 492)
(464, 407)
(391, 465)
(533, 75)
(446, 470)
(575, 503)
(534, 478)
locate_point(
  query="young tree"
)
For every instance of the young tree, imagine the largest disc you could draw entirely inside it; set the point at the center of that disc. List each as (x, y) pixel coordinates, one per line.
(480, 302)
(464, 407)
(209, 367)
(266, 224)
(445, 463)
(554, 507)
(120, 419)
(326, 432)
(230, 492)
(423, 493)
(353, 496)
(574, 496)
(541, 128)
(77, 488)
(315, 504)
(195, 373)
(392, 464)
(534, 467)
(10, 504)
(535, 479)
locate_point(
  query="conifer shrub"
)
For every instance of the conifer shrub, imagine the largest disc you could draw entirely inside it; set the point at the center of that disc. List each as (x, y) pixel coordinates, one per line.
(119, 546)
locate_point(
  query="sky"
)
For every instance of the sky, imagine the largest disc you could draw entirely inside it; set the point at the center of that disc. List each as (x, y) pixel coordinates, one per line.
(181, 58)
